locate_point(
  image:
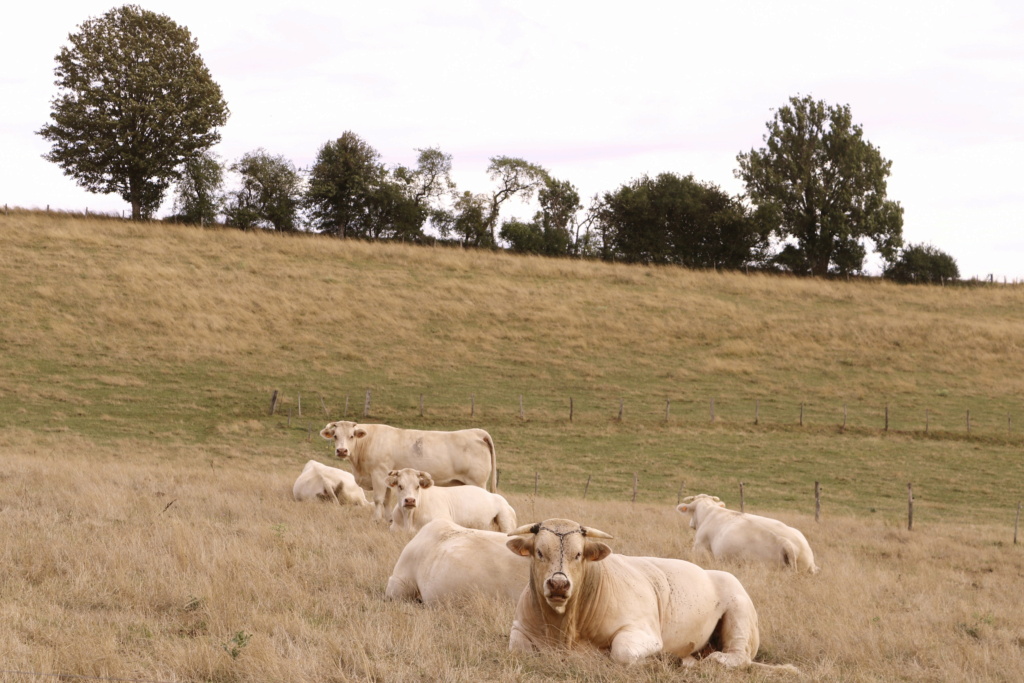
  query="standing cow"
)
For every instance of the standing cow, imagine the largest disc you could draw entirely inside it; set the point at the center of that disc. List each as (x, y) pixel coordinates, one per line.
(635, 607)
(328, 483)
(420, 502)
(462, 457)
(445, 561)
(731, 534)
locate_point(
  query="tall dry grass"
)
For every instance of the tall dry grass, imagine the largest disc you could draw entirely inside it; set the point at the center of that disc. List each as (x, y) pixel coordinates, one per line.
(152, 566)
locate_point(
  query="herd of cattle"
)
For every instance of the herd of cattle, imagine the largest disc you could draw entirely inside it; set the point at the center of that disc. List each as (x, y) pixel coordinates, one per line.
(571, 588)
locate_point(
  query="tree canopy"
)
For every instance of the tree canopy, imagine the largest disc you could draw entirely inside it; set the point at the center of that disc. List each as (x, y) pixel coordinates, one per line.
(676, 219)
(824, 187)
(269, 194)
(135, 101)
(923, 263)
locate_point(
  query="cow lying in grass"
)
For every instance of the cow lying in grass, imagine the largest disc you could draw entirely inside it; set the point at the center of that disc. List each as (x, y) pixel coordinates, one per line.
(318, 481)
(634, 607)
(445, 561)
(420, 502)
(730, 534)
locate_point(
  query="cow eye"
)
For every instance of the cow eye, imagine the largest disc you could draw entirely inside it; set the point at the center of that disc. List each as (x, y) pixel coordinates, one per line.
(401, 488)
(579, 555)
(540, 555)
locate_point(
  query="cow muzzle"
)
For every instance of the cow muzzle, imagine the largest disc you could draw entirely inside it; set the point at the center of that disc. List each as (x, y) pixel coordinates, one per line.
(557, 589)
(341, 453)
(409, 502)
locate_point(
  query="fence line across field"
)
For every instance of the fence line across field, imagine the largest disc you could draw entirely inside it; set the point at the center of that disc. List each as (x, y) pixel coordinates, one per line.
(967, 422)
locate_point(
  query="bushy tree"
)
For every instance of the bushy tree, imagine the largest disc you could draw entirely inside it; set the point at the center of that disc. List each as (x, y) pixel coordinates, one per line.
(550, 231)
(676, 219)
(135, 102)
(824, 187)
(466, 220)
(515, 178)
(198, 195)
(269, 193)
(923, 263)
(346, 174)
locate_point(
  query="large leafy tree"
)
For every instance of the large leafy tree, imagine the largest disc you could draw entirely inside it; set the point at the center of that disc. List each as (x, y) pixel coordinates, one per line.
(676, 219)
(515, 177)
(346, 174)
(135, 102)
(269, 193)
(824, 186)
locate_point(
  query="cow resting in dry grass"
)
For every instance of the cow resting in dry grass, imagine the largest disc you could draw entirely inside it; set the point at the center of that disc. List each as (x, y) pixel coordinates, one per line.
(420, 502)
(460, 457)
(329, 484)
(730, 534)
(634, 607)
(445, 561)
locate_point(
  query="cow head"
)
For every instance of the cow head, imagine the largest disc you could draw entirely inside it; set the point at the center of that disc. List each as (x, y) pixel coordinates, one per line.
(344, 435)
(407, 484)
(690, 504)
(559, 549)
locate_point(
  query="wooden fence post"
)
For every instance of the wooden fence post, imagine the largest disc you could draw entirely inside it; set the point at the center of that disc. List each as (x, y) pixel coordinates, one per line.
(586, 488)
(968, 422)
(621, 405)
(570, 409)
(273, 402)
(1016, 523)
(309, 432)
(844, 417)
(634, 487)
(536, 482)
(801, 414)
(741, 496)
(289, 417)
(712, 410)
(300, 404)
(757, 410)
(345, 414)
(910, 506)
(679, 493)
(522, 416)
(817, 501)
(324, 406)
(497, 479)
(886, 417)
(472, 405)
(667, 403)
(926, 420)
(421, 405)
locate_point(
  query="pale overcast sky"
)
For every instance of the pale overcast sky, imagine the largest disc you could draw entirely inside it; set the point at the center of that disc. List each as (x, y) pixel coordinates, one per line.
(598, 93)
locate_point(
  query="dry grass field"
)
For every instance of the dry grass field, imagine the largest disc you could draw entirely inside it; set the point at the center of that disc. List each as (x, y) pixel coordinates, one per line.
(145, 514)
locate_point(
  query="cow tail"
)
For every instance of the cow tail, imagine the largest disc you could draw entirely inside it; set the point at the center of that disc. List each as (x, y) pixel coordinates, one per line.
(493, 486)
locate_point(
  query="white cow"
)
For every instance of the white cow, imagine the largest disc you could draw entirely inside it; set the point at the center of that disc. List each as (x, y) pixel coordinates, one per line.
(420, 502)
(462, 457)
(328, 483)
(634, 607)
(730, 534)
(445, 561)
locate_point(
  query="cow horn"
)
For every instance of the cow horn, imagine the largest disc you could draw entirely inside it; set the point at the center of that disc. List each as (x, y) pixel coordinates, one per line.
(591, 532)
(525, 529)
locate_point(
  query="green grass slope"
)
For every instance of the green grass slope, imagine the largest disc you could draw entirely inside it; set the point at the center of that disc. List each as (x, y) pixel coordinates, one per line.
(128, 335)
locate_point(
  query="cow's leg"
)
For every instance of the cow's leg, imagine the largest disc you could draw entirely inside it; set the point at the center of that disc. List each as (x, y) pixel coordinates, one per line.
(518, 641)
(738, 632)
(631, 645)
(380, 496)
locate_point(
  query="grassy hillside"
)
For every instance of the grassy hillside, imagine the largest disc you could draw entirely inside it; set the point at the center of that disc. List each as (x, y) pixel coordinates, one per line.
(126, 335)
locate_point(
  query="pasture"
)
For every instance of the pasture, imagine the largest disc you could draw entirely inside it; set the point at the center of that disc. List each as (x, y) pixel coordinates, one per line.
(145, 491)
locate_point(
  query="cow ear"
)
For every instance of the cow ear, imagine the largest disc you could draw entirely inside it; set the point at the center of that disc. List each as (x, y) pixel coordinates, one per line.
(595, 551)
(328, 431)
(521, 545)
(683, 508)
(426, 481)
(391, 480)
(359, 432)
